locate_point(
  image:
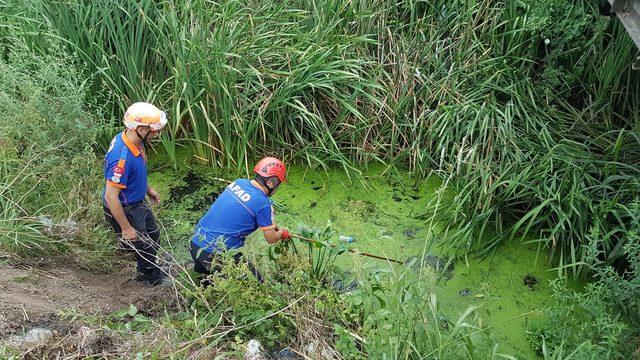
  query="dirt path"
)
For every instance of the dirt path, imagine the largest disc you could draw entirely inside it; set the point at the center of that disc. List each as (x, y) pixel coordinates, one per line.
(32, 295)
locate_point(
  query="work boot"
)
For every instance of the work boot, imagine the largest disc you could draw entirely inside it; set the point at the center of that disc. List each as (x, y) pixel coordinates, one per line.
(158, 278)
(140, 276)
(166, 262)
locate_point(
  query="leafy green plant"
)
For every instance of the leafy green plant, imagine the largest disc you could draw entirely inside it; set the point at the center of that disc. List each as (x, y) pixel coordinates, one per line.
(533, 138)
(397, 316)
(529, 108)
(321, 251)
(48, 170)
(581, 325)
(238, 298)
(600, 321)
(132, 319)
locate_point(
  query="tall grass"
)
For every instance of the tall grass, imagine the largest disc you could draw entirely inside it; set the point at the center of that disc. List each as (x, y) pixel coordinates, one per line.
(529, 108)
(48, 173)
(17, 229)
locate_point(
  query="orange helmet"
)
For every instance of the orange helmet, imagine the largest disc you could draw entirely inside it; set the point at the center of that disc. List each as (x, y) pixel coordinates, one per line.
(271, 166)
(144, 114)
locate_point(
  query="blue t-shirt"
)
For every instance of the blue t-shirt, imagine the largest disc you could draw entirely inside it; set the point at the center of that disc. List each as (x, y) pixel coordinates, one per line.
(239, 210)
(125, 167)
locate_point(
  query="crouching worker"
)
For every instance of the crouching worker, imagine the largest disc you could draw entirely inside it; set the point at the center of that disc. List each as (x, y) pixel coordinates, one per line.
(125, 207)
(243, 207)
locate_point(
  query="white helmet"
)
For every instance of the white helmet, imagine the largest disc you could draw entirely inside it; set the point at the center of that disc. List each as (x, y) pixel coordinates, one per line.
(144, 114)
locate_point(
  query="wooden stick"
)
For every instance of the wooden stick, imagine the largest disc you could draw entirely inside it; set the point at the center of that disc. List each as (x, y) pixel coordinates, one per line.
(350, 250)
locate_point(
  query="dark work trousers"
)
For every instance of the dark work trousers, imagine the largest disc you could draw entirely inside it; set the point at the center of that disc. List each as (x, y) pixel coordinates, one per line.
(146, 245)
(205, 263)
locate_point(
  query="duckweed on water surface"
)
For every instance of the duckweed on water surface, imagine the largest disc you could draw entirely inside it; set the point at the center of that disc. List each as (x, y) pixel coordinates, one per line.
(385, 215)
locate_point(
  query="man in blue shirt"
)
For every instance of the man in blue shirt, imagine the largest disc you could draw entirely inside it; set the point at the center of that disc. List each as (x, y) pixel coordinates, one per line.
(243, 207)
(125, 172)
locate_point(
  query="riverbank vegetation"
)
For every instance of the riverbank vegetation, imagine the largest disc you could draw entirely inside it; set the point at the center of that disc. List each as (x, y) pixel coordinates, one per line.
(528, 112)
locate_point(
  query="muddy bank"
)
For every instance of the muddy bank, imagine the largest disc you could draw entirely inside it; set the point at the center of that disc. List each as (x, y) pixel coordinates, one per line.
(34, 294)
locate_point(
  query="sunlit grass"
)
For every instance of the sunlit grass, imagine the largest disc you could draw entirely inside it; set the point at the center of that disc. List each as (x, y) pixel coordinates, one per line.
(536, 133)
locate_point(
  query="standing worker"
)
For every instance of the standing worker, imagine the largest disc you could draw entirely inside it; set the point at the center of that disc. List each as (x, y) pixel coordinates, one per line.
(243, 207)
(125, 172)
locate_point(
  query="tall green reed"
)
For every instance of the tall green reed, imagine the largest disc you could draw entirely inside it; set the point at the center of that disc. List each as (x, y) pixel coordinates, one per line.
(531, 112)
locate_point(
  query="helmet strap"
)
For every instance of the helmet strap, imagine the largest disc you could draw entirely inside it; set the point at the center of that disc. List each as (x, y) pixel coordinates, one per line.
(263, 181)
(142, 138)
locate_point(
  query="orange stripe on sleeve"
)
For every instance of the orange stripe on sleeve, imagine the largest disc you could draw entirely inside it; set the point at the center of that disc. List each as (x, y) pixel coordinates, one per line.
(111, 183)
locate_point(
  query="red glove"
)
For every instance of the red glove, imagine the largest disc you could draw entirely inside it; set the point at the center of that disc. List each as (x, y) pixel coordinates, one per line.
(286, 235)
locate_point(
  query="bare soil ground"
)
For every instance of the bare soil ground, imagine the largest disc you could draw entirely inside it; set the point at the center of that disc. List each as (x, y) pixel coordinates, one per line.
(32, 294)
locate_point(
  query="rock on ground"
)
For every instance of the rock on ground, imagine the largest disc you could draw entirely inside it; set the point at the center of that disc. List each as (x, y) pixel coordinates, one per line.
(33, 337)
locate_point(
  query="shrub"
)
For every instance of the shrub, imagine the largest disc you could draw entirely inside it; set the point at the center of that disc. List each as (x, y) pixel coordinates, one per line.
(49, 171)
(599, 322)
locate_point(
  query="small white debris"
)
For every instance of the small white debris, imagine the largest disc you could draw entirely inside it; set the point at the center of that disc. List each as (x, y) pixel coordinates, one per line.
(254, 350)
(38, 336)
(33, 337)
(326, 354)
(64, 229)
(46, 222)
(311, 347)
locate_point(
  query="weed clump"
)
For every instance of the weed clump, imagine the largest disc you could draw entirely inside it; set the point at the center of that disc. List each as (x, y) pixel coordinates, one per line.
(600, 321)
(49, 172)
(298, 307)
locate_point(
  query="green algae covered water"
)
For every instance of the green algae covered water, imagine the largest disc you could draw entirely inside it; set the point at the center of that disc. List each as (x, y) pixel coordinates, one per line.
(385, 214)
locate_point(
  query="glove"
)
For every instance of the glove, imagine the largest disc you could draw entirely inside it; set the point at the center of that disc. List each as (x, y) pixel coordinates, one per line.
(286, 235)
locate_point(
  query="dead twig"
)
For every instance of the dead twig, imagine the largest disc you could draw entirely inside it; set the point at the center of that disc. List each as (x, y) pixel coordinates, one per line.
(25, 317)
